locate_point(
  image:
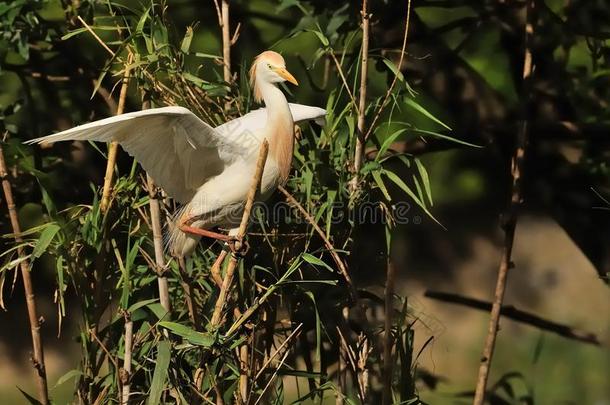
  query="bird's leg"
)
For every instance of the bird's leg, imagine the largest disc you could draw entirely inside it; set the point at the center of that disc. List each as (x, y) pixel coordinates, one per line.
(208, 234)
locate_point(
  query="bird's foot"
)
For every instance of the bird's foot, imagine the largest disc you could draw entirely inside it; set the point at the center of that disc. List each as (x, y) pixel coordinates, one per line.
(238, 246)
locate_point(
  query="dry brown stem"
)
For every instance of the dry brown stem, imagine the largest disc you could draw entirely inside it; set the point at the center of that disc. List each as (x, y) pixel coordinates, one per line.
(511, 218)
(126, 375)
(226, 283)
(155, 218)
(28, 287)
(387, 337)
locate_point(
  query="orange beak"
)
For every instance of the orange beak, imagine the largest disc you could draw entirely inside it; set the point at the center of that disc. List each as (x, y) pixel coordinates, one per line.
(286, 75)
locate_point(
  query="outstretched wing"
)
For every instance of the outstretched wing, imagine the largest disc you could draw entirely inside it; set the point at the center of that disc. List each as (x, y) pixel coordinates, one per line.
(175, 147)
(256, 120)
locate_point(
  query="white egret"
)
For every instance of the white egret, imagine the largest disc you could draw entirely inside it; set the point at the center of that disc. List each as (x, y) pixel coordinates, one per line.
(208, 170)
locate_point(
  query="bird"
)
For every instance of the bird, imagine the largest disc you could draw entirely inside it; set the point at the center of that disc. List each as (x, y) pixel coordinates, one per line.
(208, 170)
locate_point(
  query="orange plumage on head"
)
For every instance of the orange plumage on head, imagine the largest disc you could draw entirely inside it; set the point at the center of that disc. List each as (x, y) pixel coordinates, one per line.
(272, 57)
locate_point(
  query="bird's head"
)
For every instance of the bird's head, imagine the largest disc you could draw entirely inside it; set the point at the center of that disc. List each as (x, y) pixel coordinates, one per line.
(269, 67)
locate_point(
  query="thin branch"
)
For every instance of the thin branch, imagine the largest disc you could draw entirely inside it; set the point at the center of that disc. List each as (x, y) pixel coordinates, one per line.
(114, 146)
(126, 374)
(517, 315)
(388, 93)
(340, 264)
(387, 337)
(28, 287)
(155, 218)
(360, 136)
(226, 283)
(343, 79)
(511, 219)
(88, 28)
(226, 41)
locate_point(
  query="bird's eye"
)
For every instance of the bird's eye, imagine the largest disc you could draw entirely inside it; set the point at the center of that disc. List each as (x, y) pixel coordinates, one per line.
(269, 65)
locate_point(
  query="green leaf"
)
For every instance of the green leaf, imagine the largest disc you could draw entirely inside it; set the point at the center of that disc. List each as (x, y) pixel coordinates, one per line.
(311, 259)
(423, 174)
(30, 398)
(160, 374)
(46, 237)
(449, 138)
(394, 69)
(194, 337)
(400, 183)
(388, 142)
(412, 103)
(70, 374)
(320, 36)
(186, 41)
(379, 181)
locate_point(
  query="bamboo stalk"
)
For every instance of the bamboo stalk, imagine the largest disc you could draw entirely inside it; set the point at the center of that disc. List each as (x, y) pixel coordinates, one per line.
(28, 287)
(155, 219)
(387, 337)
(114, 146)
(216, 320)
(359, 152)
(226, 41)
(226, 283)
(126, 375)
(511, 220)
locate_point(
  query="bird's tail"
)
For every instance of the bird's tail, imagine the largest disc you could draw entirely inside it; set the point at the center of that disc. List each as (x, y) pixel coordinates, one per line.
(179, 243)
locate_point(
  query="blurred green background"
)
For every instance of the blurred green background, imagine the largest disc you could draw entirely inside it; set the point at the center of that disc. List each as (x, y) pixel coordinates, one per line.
(464, 62)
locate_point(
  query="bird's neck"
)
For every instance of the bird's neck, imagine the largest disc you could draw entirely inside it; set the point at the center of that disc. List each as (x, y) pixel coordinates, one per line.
(279, 128)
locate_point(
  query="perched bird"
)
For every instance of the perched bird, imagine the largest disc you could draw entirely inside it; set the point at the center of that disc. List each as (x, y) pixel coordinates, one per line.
(208, 170)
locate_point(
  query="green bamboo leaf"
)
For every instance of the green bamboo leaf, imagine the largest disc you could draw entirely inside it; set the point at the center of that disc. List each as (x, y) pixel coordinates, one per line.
(46, 237)
(423, 174)
(377, 177)
(388, 142)
(194, 337)
(186, 41)
(311, 259)
(403, 186)
(160, 374)
(415, 105)
(30, 398)
(320, 36)
(394, 69)
(447, 137)
(69, 375)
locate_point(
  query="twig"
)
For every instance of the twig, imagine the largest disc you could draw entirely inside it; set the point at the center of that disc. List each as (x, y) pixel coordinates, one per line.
(511, 220)
(360, 138)
(114, 146)
(517, 315)
(155, 218)
(88, 28)
(216, 320)
(126, 374)
(395, 79)
(343, 79)
(226, 40)
(387, 337)
(226, 283)
(340, 264)
(28, 287)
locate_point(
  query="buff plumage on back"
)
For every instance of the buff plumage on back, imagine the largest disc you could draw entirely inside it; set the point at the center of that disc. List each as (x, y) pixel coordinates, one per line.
(271, 57)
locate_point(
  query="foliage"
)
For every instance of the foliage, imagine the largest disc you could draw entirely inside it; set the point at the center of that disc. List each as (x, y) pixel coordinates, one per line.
(287, 307)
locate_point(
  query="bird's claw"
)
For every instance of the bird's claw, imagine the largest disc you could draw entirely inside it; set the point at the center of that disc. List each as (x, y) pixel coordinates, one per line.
(238, 246)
